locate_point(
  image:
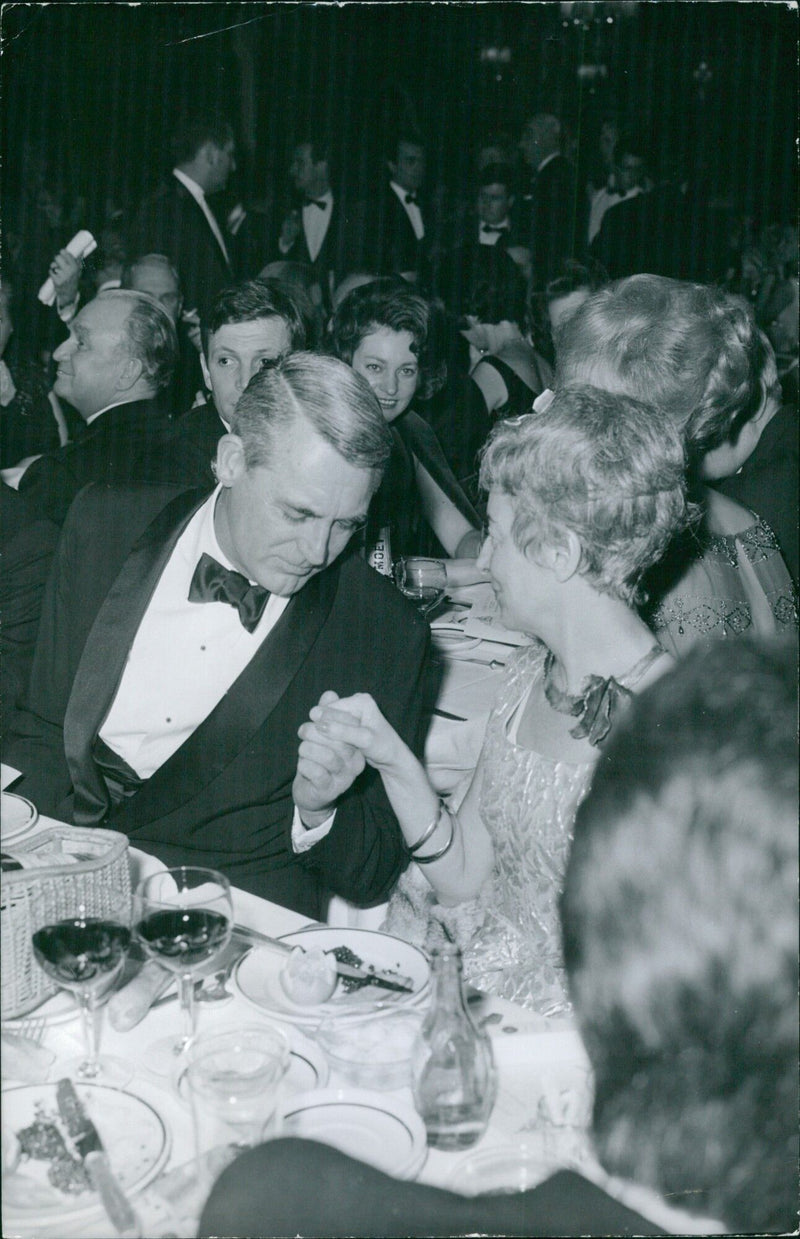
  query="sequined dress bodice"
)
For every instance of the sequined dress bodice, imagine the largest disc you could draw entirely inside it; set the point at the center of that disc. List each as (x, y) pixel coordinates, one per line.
(509, 935)
(528, 804)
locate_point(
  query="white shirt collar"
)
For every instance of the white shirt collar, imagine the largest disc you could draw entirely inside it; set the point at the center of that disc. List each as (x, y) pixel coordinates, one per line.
(547, 159)
(411, 209)
(194, 189)
(326, 197)
(114, 405)
(401, 193)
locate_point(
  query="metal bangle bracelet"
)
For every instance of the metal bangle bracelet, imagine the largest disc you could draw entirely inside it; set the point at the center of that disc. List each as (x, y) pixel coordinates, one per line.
(427, 860)
(427, 832)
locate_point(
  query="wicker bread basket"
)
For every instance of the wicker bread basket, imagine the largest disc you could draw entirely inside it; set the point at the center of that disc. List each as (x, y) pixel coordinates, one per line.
(98, 877)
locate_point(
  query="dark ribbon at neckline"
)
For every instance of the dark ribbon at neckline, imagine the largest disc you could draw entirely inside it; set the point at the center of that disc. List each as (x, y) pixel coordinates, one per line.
(213, 583)
(412, 198)
(599, 699)
(317, 202)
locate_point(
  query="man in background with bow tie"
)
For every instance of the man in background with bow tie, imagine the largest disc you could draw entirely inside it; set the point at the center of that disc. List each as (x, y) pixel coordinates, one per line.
(178, 656)
(310, 233)
(389, 232)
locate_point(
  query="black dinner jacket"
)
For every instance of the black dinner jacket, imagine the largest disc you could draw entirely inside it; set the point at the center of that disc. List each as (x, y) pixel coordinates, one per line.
(171, 222)
(381, 238)
(555, 216)
(190, 445)
(330, 263)
(121, 445)
(225, 797)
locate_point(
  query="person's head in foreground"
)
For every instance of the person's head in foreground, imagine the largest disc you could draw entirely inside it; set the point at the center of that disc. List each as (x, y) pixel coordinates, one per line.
(585, 494)
(249, 324)
(305, 454)
(692, 351)
(385, 331)
(680, 925)
(121, 347)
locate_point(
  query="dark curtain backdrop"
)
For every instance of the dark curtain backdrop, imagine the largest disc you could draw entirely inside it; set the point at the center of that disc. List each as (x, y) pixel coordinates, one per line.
(89, 90)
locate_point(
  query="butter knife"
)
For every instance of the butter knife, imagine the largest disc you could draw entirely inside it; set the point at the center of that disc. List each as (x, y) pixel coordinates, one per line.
(387, 980)
(88, 1145)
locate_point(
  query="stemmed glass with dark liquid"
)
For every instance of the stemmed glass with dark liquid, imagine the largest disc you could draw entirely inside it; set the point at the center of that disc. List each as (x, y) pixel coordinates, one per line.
(183, 918)
(82, 940)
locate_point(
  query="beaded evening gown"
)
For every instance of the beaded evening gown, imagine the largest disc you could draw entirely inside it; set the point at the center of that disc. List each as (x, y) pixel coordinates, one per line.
(730, 584)
(510, 935)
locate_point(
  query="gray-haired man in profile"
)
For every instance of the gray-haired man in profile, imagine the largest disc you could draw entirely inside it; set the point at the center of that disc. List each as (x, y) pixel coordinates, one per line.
(118, 360)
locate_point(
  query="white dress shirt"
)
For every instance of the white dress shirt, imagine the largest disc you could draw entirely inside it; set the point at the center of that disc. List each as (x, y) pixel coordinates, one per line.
(184, 658)
(316, 221)
(411, 209)
(197, 193)
(602, 201)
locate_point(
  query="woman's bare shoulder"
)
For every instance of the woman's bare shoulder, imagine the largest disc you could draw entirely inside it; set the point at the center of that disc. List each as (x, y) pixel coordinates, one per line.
(725, 517)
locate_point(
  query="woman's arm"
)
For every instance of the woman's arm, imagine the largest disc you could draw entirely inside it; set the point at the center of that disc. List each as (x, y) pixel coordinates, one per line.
(355, 723)
(491, 384)
(450, 526)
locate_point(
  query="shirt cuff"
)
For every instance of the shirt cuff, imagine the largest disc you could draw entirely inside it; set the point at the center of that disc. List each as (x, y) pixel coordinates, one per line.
(303, 839)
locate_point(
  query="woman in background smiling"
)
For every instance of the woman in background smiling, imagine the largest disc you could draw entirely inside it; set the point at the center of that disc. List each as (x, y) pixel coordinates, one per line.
(384, 330)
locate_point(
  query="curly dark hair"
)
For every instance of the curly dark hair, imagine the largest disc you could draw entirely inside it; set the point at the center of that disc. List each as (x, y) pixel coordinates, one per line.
(390, 302)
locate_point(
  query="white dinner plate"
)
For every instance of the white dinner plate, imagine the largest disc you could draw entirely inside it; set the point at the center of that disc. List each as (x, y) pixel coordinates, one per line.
(134, 1136)
(370, 1127)
(501, 1169)
(17, 816)
(308, 1066)
(257, 975)
(453, 644)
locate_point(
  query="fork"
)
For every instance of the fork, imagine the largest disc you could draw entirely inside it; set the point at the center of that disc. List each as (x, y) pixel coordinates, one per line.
(32, 1028)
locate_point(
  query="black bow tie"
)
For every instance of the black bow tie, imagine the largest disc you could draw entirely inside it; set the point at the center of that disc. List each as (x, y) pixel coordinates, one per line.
(213, 583)
(412, 198)
(494, 227)
(317, 202)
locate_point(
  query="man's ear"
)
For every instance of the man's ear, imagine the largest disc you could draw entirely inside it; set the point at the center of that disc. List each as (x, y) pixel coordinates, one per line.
(565, 558)
(204, 368)
(392, 169)
(230, 462)
(129, 373)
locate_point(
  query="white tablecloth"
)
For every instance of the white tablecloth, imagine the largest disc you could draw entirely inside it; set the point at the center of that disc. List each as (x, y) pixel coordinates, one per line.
(542, 1095)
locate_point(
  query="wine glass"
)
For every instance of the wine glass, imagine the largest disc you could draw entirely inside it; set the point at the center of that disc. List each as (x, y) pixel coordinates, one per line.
(82, 940)
(183, 918)
(422, 581)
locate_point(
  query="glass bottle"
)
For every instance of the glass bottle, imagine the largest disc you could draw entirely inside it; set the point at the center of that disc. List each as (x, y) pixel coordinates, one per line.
(453, 1065)
(380, 555)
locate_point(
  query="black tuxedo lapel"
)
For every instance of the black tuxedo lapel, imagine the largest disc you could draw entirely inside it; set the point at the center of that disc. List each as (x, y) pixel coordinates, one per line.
(242, 711)
(107, 647)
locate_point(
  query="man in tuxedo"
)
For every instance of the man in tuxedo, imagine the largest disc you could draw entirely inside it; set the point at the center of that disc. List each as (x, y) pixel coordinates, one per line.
(248, 325)
(552, 214)
(117, 361)
(390, 230)
(310, 233)
(178, 656)
(177, 219)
